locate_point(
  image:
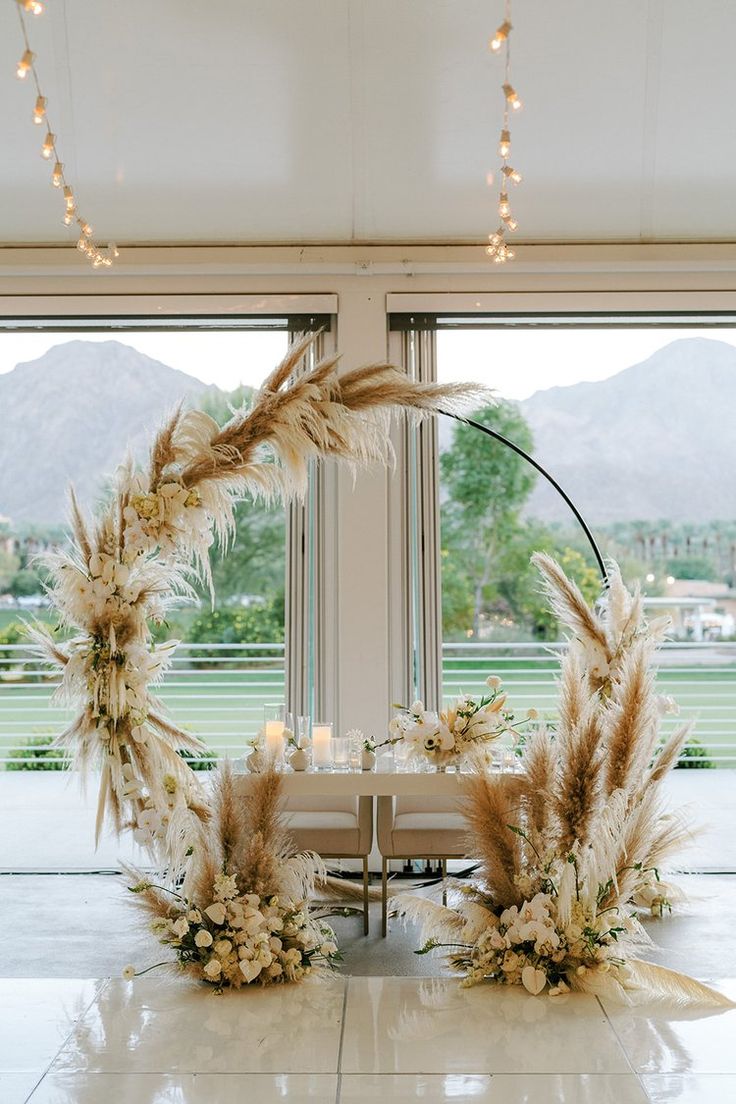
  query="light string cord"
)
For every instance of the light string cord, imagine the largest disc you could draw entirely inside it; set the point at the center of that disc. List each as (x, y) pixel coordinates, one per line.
(97, 255)
(498, 248)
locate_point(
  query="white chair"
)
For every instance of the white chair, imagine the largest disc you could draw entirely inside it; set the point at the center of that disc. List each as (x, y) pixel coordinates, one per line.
(418, 828)
(336, 828)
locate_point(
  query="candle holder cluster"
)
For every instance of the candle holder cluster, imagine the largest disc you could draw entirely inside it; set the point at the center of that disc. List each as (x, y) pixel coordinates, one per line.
(305, 745)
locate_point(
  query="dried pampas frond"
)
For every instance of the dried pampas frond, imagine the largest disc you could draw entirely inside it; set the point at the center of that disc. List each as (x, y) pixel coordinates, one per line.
(569, 846)
(244, 912)
(121, 574)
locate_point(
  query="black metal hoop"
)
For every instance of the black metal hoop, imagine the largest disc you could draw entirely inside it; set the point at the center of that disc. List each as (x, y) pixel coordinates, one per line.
(550, 479)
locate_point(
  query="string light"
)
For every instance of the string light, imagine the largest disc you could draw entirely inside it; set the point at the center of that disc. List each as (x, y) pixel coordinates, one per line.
(500, 36)
(498, 248)
(25, 65)
(39, 110)
(99, 256)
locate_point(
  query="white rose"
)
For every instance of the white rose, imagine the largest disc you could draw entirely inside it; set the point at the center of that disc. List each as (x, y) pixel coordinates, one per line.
(216, 913)
(203, 938)
(213, 968)
(194, 916)
(180, 927)
(222, 947)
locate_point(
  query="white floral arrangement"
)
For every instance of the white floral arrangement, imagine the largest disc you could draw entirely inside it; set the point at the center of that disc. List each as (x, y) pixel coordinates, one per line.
(465, 726)
(242, 938)
(564, 935)
(569, 846)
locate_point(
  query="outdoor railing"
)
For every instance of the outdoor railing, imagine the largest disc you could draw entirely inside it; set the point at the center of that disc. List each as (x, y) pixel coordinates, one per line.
(217, 691)
(701, 677)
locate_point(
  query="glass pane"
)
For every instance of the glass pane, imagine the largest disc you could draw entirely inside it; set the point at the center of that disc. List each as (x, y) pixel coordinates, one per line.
(635, 424)
(72, 405)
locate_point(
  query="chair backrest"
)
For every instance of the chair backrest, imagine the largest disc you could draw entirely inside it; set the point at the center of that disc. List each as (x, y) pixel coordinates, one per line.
(321, 803)
(434, 804)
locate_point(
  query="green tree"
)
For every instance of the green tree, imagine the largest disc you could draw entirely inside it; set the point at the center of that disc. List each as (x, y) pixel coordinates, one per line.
(485, 485)
(254, 561)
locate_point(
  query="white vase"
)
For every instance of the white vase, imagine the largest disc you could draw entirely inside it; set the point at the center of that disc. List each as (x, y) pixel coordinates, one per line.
(254, 762)
(299, 760)
(367, 759)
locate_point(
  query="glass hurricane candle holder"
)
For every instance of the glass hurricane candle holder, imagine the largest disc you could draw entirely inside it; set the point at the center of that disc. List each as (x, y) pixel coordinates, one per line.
(322, 746)
(340, 753)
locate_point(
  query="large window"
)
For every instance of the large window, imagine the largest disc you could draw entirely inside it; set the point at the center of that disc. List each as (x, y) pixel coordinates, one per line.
(634, 423)
(72, 404)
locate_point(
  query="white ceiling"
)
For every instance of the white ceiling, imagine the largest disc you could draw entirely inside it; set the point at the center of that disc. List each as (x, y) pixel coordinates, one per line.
(372, 120)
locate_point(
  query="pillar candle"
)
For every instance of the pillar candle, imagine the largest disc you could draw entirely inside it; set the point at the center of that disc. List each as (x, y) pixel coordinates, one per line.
(274, 739)
(322, 746)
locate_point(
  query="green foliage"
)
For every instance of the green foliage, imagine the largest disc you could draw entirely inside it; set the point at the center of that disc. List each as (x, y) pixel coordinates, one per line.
(692, 567)
(485, 486)
(25, 583)
(256, 624)
(694, 756)
(202, 761)
(255, 561)
(36, 755)
(13, 633)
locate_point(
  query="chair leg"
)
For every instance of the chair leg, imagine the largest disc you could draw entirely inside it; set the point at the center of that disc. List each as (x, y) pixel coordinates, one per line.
(365, 896)
(384, 896)
(444, 881)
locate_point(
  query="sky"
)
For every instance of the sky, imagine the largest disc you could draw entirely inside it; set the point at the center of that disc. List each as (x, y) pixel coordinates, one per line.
(519, 362)
(515, 362)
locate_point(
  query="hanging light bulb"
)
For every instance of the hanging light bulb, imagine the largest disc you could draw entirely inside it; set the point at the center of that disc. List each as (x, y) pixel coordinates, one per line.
(68, 218)
(511, 174)
(47, 149)
(510, 222)
(24, 65)
(35, 7)
(511, 97)
(57, 175)
(500, 36)
(504, 207)
(85, 228)
(504, 145)
(39, 110)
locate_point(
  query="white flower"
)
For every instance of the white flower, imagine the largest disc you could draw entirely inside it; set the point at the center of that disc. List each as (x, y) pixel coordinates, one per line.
(216, 913)
(194, 916)
(180, 927)
(213, 968)
(222, 947)
(328, 949)
(129, 972)
(493, 681)
(250, 969)
(203, 938)
(417, 708)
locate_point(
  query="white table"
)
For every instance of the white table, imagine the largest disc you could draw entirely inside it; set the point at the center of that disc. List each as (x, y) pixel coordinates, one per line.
(367, 783)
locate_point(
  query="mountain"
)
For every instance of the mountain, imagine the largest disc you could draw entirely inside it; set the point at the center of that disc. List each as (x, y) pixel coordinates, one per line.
(654, 441)
(69, 417)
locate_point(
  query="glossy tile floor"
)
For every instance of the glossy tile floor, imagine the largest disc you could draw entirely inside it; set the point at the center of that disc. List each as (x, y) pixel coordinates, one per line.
(352, 1039)
(164, 1041)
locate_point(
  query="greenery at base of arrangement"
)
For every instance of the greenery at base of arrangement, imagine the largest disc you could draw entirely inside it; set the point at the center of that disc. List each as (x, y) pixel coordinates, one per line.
(35, 754)
(694, 755)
